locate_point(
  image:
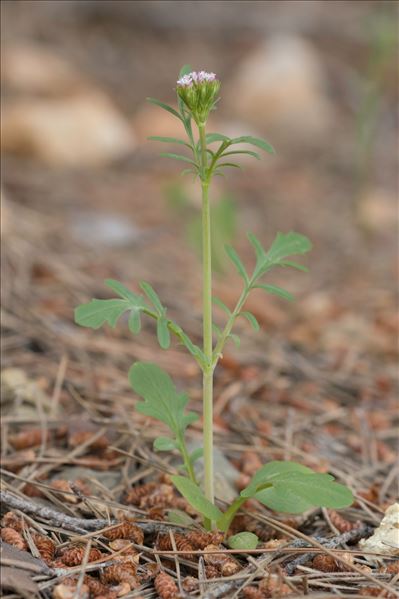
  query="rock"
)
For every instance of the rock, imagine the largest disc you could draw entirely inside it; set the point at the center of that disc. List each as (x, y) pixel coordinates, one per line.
(377, 211)
(153, 120)
(34, 69)
(83, 130)
(385, 539)
(281, 90)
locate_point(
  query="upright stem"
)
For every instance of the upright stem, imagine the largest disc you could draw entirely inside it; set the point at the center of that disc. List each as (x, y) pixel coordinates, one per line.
(207, 324)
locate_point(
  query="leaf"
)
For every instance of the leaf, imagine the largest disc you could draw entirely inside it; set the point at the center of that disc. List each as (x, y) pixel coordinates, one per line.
(294, 265)
(251, 319)
(249, 152)
(163, 334)
(124, 292)
(231, 164)
(259, 251)
(178, 157)
(161, 400)
(236, 340)
(270, 471)
(165, 107)
(164, 444)
(196, 498)
(212, 137)
(196, 455)
(255, 141)
(216, 330)
(134, 322)
(276, 291)
(232, 254)
(153, 297)
(169, 140)
(243, 540)
(95, 313)
(288, 244)
(221, 305)
(179, 517)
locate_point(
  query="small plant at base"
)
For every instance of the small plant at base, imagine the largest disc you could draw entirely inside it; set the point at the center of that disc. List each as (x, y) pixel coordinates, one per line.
(282, 486)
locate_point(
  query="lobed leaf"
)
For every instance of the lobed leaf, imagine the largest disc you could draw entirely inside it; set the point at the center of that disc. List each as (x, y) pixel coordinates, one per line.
(232, 254)
(288, 244)
(196, 498)
(164, 444)
(97, 312)
(153, 297)
(161, 400)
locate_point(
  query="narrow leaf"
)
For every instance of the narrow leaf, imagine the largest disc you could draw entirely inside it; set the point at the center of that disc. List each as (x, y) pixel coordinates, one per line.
(294, 265)
(254, 141)
(169, 140)
(259, 251)
(124, 292)
(163, 334)
(165, 107)
(236, 340)
(251, 319)
(135, 322)
(196, 498)
(232, 254)
(196, 455)
(177, 157)
(212, 137)
(276, 291)
(243, 540)
(153, 297)
(229, 164)
(180, 518)
(216, 330)
(221, 305)
(249, 152)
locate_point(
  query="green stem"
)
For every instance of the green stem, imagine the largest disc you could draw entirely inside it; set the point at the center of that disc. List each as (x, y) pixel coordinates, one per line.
(186, 459)
(207, 324)
(229, 325)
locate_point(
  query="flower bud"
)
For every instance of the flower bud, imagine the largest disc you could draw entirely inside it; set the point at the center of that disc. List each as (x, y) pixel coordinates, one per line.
(198, 90)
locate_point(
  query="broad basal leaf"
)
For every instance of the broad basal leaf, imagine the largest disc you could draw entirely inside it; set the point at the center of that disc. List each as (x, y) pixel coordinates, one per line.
(273, 470)
(161, 400)
(243, 540)
(196, 498)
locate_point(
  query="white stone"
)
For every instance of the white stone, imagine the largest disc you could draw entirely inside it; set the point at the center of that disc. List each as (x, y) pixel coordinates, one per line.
(385, 539)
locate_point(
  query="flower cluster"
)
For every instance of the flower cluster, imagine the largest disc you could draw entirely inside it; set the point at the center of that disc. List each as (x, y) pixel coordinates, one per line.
(198, 90)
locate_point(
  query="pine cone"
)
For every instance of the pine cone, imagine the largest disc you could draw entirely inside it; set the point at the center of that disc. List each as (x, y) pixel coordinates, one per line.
(199, 540)
(74, 556)
(96, 587)
(14, 538)
(12, 520)
(212, 571)
(125, 530)
(162, 496)
(226, 564)
(165, 586)
(252, 592)
(273, 586)
(392, 568)
(122, 572)
(80, 437)
(324, 563)
(190, 584)
(135, 495)
(164, 543)
(124, 544)
(45, 546)
(26, 439)
(340, 523)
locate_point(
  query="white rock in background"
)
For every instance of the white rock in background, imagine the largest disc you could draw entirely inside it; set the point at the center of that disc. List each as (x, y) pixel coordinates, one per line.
(82, 130)
(282, 87)
(385, 539)
(35, 69)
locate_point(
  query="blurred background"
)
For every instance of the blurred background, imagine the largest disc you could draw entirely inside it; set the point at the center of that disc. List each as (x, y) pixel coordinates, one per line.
(85, 196)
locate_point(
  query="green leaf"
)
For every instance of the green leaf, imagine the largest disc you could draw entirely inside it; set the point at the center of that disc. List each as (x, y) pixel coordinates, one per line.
(255, 141)
(164, 444)
(232, 254)
(271, 471)
(288, 244)
(259, 251)
(196, 455)
(294, 265)
(124, 292)
(236, 340)
(196, 498)
(221, 305)
(180, 518)
(243, 540)
(212, 137)
(163, 334)
(230, 164)
(276, 291)
(153, 297)
(95, 313)
(165, 107)
(178, 157)
(161, 400)
(135, 322)
(283, 500)
(169, 140)
(249, 152)
(216, 330)
(251, 319)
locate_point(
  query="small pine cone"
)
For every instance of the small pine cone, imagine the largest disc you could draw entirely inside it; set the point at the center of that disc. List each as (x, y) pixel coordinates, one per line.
(340, 523)
(348, 558)
(74, 556)
(392, 568)
(66, 591)
(45, 546)
(199, 540)
(125, 530)
(123, 571)
(165, 586)
(230, 567)
(162, 496)
(376, 592)
(164, 543)
(26, 439)
(95, 586)
(12, 520)
(149, 573)
(252, 592)
(123, 588)
(135, 495)
(124, 544)
(156, 513)
(80, 437)
(190, 584)
(226, 564)
(212, 571)
(273, 586)
(14, 538)
(324, 563)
